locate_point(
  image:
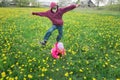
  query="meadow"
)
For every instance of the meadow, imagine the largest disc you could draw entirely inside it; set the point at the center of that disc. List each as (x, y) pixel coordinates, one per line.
(91, 40)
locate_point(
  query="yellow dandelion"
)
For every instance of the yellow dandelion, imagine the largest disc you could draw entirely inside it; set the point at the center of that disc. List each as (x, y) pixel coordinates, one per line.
(11, 78)
(106, 55)
(30, 76)
(118, 79)
(3, 74)
(24, 79)
(87, 62)
(44, 69)
(113, 66)
(66, 74)
(73, 52)
(87, 68)
(103, 65)
(12, 66)
(54, 62)
(104, 79)
(106, 63)
(57, 69)
(71, 63)
(17, 63)
(44, 61)
(4, 58)
(71, 72)
(4, 62)
(16, 78)
(7, 78)
(63, 67)
(42, 74)
(70, 78)
(29, 60)
(48, 65)
(81, 70)
(94, 79)
(3, 55)
(85, 77)
(10, 72)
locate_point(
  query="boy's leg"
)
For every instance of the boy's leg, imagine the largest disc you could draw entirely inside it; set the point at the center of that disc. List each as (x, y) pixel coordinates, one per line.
(60, 31)
(48, 33)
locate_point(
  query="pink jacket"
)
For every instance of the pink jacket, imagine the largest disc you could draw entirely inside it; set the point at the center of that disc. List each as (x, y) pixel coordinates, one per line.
(56, 52)
(56, 18)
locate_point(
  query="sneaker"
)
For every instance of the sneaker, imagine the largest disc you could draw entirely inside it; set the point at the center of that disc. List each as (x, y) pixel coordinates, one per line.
(43, 43)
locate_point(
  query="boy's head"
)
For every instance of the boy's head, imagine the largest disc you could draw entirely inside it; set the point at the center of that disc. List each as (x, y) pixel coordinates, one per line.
(54, 6)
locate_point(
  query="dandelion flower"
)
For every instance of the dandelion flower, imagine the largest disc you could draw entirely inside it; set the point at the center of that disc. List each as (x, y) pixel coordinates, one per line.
(24, 79)
(30, 76)
(66, 74)
(16, 78)
(81, 70)
(118, 79)
(42, 74)
(85, 77)
(3, 74)
(70, 78)
(71, 72)
(50, 79)
(94, 79)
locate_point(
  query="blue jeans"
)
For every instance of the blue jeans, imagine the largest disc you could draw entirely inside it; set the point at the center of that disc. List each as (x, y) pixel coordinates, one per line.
(49, 32)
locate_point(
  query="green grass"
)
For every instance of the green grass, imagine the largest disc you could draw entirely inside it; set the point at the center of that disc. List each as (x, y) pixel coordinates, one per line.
(100, 10)
(91, 40)
(113, 7)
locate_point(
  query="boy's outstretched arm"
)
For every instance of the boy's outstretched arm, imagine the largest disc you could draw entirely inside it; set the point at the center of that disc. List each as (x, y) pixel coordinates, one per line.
(68, 8)
(40, 13)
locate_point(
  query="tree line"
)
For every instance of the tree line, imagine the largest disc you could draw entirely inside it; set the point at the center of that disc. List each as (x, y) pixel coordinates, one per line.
(18, 3)
(24, 3)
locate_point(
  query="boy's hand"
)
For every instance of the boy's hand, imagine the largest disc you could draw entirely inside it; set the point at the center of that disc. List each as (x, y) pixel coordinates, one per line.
(77, 5)
(33, 13)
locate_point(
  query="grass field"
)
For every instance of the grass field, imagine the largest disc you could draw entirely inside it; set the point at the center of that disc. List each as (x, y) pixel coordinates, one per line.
(91, 40)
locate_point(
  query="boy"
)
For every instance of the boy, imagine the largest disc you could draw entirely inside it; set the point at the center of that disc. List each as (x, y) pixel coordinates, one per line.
(55, 15)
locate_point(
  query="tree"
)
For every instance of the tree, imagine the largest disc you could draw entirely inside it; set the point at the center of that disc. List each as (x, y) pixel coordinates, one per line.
(78, 1)
(98, 2)
(90, 3)
(64, 2)
(22, 3)
(4, 3)
(118, 1)
(111, 2)
(34, 2)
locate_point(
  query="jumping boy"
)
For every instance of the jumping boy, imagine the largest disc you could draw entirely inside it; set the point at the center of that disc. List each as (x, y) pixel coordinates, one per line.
(55, 15)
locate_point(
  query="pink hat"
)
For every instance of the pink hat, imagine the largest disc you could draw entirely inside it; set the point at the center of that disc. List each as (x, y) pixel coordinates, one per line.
(53, 4)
